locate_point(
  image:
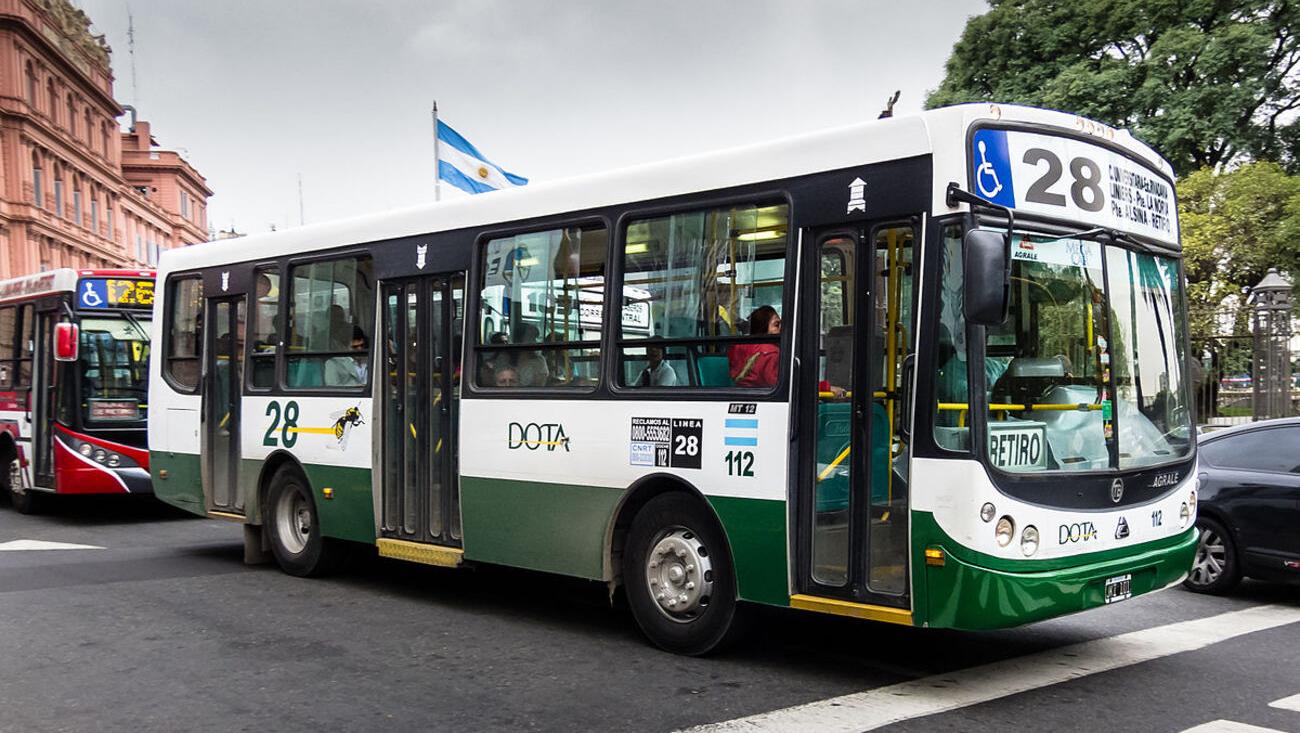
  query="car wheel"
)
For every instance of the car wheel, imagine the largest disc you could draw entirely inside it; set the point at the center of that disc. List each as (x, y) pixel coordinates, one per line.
(1215, 569)
(678, 576)
(294, 528)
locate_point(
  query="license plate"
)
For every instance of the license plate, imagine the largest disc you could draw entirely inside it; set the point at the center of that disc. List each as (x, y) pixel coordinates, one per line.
(1119, 588)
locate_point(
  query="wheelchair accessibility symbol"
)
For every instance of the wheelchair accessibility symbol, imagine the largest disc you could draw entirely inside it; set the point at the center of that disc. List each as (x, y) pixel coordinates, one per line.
(93, 294)
(991, 167)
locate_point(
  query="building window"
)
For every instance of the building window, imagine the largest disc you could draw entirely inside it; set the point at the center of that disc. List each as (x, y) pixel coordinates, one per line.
(58, 194)
(72, 116)
(184, 331)
(94, 211)
(31, 85)
(540, 308)
(702, 294)
(52, 99)
(108, 209)
(331, 320)
(38, 181)
(185, 205)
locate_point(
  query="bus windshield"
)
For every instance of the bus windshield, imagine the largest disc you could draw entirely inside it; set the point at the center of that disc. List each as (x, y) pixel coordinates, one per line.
(1087, 371)
(114, 364)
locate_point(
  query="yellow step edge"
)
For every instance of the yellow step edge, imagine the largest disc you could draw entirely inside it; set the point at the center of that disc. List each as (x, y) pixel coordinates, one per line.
(226, 515)
(446, 557)
(849, 608)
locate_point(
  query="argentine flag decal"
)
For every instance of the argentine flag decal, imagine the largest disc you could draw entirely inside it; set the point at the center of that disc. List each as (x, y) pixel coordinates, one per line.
(464, 167)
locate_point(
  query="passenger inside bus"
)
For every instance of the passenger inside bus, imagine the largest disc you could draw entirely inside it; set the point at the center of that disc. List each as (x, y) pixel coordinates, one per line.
(349, 371)
(757, 365)
(506, 376)
(657, 372)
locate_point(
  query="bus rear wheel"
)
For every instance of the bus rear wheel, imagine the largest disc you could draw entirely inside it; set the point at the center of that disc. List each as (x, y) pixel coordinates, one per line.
(678, 576)
(294, 528)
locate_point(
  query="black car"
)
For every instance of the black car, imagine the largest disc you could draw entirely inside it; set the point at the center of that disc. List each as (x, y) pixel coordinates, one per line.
(1249, 513)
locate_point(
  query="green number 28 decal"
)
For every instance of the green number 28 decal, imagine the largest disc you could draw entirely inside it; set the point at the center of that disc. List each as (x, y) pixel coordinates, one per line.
(288, 436)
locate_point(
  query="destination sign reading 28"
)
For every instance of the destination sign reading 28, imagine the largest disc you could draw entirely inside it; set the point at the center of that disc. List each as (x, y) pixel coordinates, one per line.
(108, 292)
(1072, 179)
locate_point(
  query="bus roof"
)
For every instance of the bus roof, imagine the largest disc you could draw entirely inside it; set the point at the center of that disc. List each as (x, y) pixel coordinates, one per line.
(61, 280)
(837, 148)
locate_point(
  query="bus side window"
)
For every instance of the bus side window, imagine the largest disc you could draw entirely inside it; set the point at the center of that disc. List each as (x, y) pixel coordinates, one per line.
(540, 308)
(266, 327)
(952, 388)
(26, 345)
(331, 323)
(184, 330)
(702, 294)
(8, 346)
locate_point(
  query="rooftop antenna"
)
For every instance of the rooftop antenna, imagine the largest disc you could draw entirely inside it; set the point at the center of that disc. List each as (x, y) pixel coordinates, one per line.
(130, 48)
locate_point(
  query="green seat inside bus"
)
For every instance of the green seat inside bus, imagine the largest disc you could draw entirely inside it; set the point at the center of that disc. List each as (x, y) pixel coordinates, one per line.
(305, 372)
(713, 370)
(834, 425)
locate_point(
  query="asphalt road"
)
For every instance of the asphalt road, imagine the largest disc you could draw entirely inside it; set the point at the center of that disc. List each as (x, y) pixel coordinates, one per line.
(164, 629)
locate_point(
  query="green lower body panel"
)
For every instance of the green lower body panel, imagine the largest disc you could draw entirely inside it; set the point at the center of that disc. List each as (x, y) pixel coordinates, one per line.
(182, 484)
(558, 528)
(965, 595)
(350, 514)
(755, 529)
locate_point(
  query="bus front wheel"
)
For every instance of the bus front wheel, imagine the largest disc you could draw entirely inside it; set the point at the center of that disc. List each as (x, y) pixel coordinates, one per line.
(678, 576)
(24, 501)
(294, 528)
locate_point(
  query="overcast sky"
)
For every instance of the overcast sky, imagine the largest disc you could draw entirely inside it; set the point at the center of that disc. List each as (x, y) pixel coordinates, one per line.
(255, 93)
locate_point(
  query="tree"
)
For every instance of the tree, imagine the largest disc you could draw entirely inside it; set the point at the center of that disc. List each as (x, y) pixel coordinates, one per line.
(1205, 82)
(1236, 225)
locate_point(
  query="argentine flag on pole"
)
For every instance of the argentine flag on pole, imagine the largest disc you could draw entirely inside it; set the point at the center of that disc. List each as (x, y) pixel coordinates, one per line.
(464, 167)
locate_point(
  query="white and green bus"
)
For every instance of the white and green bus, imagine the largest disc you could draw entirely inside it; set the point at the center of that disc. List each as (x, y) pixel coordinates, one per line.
(927, 370)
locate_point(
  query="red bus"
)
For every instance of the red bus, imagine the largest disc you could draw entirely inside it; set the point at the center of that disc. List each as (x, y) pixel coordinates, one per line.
(74, 355)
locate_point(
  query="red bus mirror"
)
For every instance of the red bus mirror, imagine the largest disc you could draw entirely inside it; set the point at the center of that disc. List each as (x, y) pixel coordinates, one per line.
(66, 339)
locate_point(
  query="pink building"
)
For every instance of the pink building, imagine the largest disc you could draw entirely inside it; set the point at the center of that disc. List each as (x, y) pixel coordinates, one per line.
(74, 191)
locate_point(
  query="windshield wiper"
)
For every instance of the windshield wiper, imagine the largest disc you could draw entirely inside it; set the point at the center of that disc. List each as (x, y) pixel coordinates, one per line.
(135, 322)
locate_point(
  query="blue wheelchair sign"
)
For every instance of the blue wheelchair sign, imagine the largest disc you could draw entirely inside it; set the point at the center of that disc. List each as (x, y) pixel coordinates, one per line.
(92, 294)
(991, 167)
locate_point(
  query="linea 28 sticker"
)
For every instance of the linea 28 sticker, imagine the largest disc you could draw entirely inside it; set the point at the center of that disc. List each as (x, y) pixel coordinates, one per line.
(666, 442)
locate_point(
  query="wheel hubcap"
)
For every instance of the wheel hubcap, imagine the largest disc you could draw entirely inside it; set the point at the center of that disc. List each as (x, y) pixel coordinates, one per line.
(679, 574)
(293, 521)
(1211, 558)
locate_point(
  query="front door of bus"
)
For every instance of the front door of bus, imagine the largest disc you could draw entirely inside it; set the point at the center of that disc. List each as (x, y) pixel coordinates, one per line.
(45, 396)
(853, 508)
(421, 394)
(221, 400)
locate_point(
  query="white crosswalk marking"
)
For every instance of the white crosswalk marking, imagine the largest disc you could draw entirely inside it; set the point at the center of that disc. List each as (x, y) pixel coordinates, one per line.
(16, 545)
(882, 706)
(1230, 726)
(1287, 703)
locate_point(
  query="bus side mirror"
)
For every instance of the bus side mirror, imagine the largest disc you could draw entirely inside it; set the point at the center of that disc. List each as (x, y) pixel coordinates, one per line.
(986, 266)
(66, 339)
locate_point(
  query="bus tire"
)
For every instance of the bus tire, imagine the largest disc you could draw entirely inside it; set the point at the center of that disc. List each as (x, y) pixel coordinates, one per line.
(24, 502)
(678, 576)
(293, 526)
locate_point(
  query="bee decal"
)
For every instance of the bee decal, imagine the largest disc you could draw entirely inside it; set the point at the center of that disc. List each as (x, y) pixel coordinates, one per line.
(349, 418)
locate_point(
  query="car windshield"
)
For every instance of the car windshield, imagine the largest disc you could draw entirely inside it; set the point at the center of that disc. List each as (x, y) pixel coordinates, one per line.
(1087, 371)
(114, 361)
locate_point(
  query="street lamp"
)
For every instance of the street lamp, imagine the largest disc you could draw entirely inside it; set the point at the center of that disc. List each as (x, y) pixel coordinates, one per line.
(1270, 302)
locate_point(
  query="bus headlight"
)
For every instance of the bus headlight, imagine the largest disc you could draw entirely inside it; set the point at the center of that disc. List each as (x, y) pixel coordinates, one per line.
(1029, 540)
(987, 511)
(85, 449)
(114, 460)
(1004, 531)
(100, 455)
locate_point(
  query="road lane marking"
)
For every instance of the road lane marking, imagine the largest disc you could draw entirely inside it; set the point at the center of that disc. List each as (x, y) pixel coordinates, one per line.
(1230, 726)
(15, 545)
(1287, 703)
(882, 706)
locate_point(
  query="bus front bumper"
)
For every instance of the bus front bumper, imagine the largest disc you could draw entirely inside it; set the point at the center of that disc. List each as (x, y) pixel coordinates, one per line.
(962, 595)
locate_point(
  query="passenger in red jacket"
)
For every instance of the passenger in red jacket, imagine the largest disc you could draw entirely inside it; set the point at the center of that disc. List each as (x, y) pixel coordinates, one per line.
(757, 365)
